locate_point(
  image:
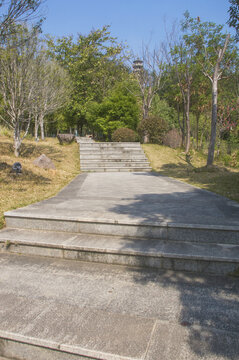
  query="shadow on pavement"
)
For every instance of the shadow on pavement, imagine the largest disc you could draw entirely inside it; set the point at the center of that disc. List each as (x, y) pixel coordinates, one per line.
(209, 304)
(209, 310)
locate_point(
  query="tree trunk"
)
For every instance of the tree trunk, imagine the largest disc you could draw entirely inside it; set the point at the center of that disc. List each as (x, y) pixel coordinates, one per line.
(179, 123)
(145, 111)
(183, 127)
(36, 128)
(41, 120)
(216, 77)
(17, 141)
(197, 128)
(187, 108)
(211, 148)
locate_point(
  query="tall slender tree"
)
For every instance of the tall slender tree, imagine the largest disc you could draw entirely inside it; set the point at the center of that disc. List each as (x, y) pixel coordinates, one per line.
(16, 82)
(215, 53)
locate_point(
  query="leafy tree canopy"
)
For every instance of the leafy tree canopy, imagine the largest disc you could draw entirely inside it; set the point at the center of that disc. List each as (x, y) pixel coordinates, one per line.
(119, 109)
(234, 16)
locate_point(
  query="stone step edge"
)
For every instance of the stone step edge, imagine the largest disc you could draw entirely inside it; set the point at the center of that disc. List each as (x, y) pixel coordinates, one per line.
(7, 242)
(113, 163)
(163, 224)
(99, 165)
(122, 169)
(60, 347)
(115, 158)
(119, 143)
(119, 159)
(114, 166)
(110, 152)
(167, 231)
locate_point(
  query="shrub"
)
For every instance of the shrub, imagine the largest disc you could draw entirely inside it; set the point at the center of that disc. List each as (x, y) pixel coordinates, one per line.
(65, 138)
(124, 135)
(154, 128)
(173, 139)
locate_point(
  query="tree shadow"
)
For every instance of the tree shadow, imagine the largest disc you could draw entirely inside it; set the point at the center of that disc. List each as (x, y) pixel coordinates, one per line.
(209, 309)
(27, 176)
(216, 179)
(6, 148)
(185, 204)
(209, 304)
(29, 150)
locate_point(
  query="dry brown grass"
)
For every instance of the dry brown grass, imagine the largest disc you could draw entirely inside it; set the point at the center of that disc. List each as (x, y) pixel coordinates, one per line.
(219, 179)
(34, 184)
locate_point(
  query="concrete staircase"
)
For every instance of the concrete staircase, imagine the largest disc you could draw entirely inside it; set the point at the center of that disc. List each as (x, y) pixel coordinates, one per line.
(135, 219)
(82, 223)
(79, 235)
(112, 157)
(201, 250)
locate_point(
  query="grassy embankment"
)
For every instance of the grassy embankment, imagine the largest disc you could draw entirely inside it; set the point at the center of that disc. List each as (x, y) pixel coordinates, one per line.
(34, 184)
(219, 179)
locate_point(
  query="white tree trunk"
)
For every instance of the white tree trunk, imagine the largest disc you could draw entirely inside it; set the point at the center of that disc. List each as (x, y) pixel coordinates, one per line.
(17, 141)
(187, 109)
(36, 127)
(216, 76)
(41, 120)
(211, 148)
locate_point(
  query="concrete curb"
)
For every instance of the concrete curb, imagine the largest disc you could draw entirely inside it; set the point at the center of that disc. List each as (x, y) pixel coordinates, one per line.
(51, 345)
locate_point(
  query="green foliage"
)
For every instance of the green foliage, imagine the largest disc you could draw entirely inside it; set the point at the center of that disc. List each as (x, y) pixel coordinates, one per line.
(119, 109)
(206, 39)
(234, 16)
(124, 135)
(160, 108)
(154, 127)
(94, 64)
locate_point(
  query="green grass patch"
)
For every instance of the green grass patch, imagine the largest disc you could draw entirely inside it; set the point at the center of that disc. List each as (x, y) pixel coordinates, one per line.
(192, 170)
(34, 184)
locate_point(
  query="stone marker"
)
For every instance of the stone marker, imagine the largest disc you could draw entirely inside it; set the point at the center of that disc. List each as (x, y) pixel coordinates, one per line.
(44, 162)
(65, 138)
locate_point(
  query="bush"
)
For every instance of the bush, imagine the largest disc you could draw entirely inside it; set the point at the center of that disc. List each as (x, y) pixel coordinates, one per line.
(154, 128)
(65, 138)
(173, 139)
(124, 135)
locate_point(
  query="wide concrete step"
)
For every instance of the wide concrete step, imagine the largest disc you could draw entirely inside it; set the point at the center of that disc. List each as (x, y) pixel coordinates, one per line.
(84, 140)
(54, 309)
(85, 224)
(113, 164)
(131, 251)
(116, 169)
(116, 160)
(111, 144)
(109, 151)
(112, 156)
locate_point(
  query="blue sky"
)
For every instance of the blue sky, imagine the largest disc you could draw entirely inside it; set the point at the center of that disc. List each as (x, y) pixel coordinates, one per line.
(131, 21)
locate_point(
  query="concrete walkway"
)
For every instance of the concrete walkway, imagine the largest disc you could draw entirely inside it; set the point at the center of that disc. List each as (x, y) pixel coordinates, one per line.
(58, 309)
(63, 310)
(137, 198)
